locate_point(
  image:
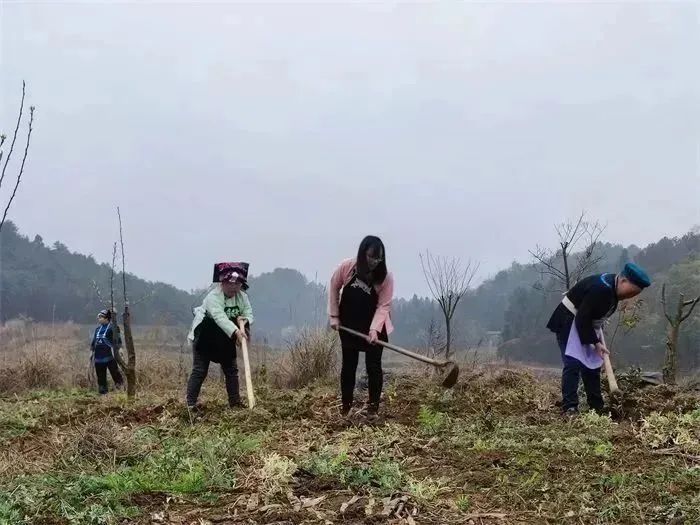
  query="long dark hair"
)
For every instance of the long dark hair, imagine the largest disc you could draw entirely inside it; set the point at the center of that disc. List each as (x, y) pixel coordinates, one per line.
(373, 245)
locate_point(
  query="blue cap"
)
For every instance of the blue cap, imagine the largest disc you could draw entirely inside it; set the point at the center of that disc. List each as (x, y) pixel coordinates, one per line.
(636, 275)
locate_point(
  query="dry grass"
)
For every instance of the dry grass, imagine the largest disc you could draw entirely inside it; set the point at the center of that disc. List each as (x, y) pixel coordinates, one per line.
(312, 356)
(493, 450)
(39, 356)
(36, 355)
(45, 356)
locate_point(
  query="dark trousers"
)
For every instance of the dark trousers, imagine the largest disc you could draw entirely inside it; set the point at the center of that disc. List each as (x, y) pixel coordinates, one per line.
(375, 378)
(101, 371)
(573, 370)
(200, 369)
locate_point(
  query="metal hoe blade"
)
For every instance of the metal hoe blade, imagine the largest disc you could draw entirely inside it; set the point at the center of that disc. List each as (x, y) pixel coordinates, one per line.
(450, 374)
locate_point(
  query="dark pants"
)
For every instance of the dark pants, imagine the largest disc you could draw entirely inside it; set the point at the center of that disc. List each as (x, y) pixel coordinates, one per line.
(101, 371)
(200, 369)
(375, 378)
(573, 369)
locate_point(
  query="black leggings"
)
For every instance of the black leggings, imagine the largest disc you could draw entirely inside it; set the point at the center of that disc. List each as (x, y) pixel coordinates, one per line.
(101, 371)
(373, 361)
(200, 369)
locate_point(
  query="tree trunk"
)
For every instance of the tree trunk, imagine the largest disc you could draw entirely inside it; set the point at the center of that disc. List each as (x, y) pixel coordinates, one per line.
(448, 337)
(671, 359)
(117, 337)
(565, 256)
(130, 355)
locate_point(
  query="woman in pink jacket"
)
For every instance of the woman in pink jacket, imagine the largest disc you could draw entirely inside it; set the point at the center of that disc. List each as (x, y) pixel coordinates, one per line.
(360, 297)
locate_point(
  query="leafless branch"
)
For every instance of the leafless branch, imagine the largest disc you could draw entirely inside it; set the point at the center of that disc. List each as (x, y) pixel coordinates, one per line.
(546, 259)
(627, 318)
(447, 280)
(670, 368)
(121, 240)
(24, 160)
(570, 233)
(14, 136)
(663, 303)
(556, 264)
(111, 276)
(145, 297)
(96, 288)
(588, 260)
(692, 305)
(126, 320)
(675, 452)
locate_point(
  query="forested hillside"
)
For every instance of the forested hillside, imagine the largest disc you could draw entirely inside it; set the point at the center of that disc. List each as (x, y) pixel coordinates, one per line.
(52, 283)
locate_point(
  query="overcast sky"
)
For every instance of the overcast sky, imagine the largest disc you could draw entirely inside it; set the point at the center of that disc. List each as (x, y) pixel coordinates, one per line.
(282, 133)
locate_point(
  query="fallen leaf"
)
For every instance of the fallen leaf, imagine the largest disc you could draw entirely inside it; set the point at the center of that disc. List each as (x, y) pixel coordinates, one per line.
(269, 507)
(370, 505)
(307, 503)
(402, 504)
(345, 505)
(410, 520)
(391, 504)
(292, 498)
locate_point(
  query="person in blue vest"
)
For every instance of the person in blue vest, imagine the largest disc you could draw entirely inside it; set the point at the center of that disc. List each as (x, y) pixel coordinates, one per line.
(103, 346)
(578, 324)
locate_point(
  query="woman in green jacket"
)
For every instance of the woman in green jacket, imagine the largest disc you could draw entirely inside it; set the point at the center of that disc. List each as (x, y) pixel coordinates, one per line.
(215, 330)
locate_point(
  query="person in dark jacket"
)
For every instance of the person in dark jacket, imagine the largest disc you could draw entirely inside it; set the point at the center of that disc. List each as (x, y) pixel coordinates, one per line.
(215, 330)
(578, 324)
(104, 344)
(359, 297)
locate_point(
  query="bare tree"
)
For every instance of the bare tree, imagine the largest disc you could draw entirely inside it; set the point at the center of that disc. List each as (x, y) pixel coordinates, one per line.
(448, 280)
(12, 148)
(684, 309)
(126, 319)
(115, 316)
(563, 266)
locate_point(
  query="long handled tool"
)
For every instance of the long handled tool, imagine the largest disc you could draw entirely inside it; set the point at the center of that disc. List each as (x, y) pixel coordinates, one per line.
(448, 369)
(612, 382)
(246, 367)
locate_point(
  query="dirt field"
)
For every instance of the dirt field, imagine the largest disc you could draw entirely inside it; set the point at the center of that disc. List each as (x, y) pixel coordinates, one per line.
(493, 450)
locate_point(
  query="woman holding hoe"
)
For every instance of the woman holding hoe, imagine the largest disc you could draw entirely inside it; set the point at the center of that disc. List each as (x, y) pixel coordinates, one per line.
(215, 330)
(359, 297)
